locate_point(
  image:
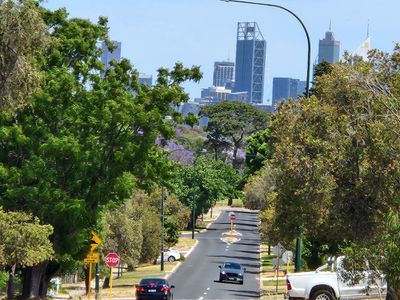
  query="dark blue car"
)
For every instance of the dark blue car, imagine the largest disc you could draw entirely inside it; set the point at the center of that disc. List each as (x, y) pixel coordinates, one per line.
(231, 271)
(154, 288)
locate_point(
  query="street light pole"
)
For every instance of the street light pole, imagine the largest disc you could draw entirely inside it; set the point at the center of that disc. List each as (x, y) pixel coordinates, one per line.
(162, 227)
(298, 240)
(302, 25)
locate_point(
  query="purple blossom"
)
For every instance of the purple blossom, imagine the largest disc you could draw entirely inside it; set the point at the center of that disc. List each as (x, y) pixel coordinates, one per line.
(179, 153)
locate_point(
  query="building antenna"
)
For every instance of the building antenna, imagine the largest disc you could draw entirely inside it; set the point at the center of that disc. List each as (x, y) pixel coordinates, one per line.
(330, 25)
(229, 55)
(368, 29)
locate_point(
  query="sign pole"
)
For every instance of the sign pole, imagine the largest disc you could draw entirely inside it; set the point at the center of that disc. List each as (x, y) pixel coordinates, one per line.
(111, 277)
(277, 268)
(90, 279)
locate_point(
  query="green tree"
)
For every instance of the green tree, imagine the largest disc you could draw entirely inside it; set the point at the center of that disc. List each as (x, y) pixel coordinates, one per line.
(204, 183)
(337, 155)
(24, 39)
(258, 150)
(85, 140)
(24, 241)
(230, 123)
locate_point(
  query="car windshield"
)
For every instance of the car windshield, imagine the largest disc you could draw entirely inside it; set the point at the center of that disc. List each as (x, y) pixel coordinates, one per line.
(232, 266)
(152, 282)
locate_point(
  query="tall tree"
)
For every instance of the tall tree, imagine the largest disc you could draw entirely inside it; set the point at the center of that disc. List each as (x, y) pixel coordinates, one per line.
(231, 123)
(85, 140)
(337, 155)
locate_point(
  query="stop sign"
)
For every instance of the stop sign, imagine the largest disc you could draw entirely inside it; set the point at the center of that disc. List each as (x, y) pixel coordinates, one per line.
(232, 216)
(112, 259)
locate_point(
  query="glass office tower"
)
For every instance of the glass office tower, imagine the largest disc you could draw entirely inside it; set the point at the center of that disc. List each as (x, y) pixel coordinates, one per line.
(250, 61)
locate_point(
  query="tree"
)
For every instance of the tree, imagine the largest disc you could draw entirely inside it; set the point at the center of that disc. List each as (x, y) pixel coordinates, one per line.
(231, 123)
(205, 182)
(258, 150)
(24, 241)
(24, 39)
(85, 140)
(336, 156)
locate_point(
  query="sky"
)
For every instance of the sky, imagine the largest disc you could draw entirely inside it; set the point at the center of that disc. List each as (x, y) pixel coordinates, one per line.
(158, 33)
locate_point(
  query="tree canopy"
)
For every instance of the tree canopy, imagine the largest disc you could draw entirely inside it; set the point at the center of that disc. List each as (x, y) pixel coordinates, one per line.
(85, 140)
(230, 123)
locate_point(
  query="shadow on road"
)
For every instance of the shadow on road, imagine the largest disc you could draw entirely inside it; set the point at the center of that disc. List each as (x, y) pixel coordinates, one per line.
(245, 293)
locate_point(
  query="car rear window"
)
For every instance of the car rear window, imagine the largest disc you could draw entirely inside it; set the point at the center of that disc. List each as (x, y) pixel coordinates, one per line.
(152, 282)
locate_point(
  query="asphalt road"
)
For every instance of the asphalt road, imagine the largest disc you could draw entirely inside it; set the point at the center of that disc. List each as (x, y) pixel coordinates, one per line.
(197, 277)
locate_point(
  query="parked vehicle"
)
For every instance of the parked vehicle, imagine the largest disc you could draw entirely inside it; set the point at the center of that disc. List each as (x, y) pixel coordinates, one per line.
(154, 288)
(170, 255)
(333, 284)
(231, 271)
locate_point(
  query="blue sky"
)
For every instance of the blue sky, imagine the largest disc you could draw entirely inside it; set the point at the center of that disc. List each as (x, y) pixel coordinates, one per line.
(157, 33)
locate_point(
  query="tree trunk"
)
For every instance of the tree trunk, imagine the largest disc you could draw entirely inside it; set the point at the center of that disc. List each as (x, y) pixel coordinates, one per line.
(230, 201)
(11, 283)
(32, 277)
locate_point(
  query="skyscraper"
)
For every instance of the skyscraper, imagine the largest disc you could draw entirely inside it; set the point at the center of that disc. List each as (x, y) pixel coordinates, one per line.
(223, 73)
(107, 56)
(250, 61)
(329, 48)
(284, 88)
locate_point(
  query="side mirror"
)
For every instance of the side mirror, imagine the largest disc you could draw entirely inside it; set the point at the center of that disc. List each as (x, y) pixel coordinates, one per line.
(172, 286)
(244, 269)
(219, 267)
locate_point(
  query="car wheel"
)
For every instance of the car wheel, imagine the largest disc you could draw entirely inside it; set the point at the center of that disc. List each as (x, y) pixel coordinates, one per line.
(171, 259)
(322, 295)
(220, 278)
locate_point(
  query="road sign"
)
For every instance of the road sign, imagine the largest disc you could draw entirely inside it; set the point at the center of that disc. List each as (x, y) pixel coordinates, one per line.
(95, 241)
(287, 256)
(92, 258)
(112, 259)
(278, 249)
(232, 215)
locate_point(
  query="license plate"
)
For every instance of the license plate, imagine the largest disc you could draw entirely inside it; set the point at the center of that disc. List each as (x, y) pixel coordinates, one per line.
(152, 291)
(231, 278)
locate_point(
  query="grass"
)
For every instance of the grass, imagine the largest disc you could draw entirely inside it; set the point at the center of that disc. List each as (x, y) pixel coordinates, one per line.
(235, 202)
(273, 283)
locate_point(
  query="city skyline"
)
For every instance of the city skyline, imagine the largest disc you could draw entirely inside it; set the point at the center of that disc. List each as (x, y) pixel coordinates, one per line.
(158, 33)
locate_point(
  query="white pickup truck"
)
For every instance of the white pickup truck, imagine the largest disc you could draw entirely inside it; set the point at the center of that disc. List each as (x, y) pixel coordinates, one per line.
(330, 285)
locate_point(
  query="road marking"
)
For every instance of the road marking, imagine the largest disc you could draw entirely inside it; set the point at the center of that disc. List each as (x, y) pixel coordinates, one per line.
(201, 298)
(208, 289)
(205, 293)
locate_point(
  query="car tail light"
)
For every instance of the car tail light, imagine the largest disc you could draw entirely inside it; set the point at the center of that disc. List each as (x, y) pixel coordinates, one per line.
(165, 289)
(139, 289)
(289, 286)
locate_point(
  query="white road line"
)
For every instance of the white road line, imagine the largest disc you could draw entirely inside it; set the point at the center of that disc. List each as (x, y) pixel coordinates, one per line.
(201, 298)
(205, 293)
(208, 289)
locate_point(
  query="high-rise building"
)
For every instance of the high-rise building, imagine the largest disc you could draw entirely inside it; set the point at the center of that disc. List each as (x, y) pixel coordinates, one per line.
(147, 79)
(224, 72)
(107, 56)
(250, 61)
(329, 48)
(284, 88)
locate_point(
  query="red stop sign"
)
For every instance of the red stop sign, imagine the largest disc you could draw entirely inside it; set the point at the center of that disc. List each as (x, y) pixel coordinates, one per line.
(232, 216)
(112, 259)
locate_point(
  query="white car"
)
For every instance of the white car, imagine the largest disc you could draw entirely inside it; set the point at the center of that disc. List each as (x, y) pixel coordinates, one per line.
(170, 255)
(325, 284)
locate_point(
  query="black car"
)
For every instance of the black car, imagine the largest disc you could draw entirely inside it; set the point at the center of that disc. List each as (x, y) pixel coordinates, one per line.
(231, 271)
(154, 288)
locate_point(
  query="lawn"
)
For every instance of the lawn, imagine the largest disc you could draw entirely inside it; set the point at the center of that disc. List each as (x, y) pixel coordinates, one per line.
(235, 203)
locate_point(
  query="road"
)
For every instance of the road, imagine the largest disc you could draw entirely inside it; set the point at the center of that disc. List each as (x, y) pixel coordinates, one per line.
(197, 277)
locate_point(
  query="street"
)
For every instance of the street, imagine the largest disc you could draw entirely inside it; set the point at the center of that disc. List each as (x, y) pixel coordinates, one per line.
(197, 277)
